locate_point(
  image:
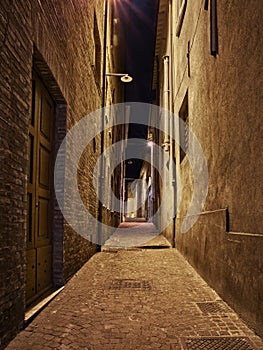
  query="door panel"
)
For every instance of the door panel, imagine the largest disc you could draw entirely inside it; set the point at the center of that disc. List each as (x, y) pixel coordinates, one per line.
(39, 230)
(43, 218)
(44, 268)
(31, 274)
(46, 117)
(44, 162)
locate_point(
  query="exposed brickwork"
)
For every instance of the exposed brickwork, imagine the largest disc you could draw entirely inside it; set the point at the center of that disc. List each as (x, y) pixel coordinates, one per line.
(15, 92)
(58, 220)
(56, 40)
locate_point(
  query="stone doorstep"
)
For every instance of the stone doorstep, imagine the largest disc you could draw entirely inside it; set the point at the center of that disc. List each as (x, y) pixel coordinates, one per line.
(158, 242)
(36, 309)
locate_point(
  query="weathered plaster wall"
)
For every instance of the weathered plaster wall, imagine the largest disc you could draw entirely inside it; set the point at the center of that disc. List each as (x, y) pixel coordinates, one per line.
(231, 263)
(225, 104)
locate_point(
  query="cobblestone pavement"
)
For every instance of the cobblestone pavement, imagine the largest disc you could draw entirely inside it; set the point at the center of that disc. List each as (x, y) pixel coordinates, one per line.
(140, 299)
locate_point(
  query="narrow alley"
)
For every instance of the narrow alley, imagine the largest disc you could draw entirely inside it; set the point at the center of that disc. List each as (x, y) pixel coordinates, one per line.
(137, 299)
(131, 175)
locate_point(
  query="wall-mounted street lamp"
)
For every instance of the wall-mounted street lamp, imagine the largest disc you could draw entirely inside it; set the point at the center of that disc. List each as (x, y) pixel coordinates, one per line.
(125, 78)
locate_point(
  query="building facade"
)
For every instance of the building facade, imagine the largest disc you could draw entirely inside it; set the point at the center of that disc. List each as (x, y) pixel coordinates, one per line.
(208, 64)
(51, 75)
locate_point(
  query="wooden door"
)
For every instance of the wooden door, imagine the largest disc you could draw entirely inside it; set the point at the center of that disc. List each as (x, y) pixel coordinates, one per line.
(39, 191)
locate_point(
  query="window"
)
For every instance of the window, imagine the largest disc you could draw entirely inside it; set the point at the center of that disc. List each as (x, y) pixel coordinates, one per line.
(213, 28)
(97, 51)
(94, 145)
(112, 25)
(181, 8)
(184, 128)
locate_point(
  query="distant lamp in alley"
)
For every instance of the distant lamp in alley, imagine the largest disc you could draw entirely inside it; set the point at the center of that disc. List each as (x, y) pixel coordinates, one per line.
(125, 78)
(149, 143)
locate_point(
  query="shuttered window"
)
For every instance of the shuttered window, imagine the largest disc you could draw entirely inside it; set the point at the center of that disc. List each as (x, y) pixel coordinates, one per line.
(184, 128)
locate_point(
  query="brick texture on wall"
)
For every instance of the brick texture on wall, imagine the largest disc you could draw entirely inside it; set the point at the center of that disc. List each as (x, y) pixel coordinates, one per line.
(56, 40)
(15, 96)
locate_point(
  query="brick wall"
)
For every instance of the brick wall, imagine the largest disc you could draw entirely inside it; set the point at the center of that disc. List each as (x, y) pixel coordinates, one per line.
(15, 90)
(56, 39)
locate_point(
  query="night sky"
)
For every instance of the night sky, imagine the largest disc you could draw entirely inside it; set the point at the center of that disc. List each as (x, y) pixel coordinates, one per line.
(139, 17)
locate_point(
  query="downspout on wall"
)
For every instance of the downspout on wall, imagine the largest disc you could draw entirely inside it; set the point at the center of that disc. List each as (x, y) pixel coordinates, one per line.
(166, 101)
(172, 121)
(100, 209)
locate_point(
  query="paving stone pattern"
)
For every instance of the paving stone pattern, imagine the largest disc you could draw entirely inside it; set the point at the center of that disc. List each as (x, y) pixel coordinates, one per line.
(91, 315)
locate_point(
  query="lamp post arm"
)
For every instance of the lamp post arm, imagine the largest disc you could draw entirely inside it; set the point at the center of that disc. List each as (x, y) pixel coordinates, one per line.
(115, 74)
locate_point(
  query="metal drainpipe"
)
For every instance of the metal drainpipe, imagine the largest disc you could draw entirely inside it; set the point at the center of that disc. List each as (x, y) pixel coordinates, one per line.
(172, 129)
(103, 93)
(157, 187)
(121, 182)
(153, 183)
(166, 99)
(166, 106)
